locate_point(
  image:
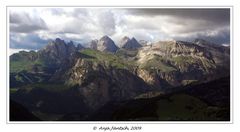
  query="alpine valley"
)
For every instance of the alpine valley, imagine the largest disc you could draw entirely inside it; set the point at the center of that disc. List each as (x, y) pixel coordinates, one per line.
(131, 81)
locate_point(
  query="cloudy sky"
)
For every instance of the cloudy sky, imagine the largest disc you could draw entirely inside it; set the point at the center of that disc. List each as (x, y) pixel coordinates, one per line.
(32, 28)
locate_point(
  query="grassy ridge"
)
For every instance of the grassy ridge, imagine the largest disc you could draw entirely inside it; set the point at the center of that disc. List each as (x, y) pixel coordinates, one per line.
(25, 65)
(108, 59)
(157, 63)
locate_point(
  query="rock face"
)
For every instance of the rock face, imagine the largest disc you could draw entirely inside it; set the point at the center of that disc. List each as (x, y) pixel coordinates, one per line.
(46, 64)
(106, 44)
(56, 57)
(177, 63)
(130, 44)
(220, 54)
(58, 50)
(100, 83)
(93, 44)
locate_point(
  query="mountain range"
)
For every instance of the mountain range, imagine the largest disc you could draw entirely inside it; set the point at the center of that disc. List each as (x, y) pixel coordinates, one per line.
(66, 82)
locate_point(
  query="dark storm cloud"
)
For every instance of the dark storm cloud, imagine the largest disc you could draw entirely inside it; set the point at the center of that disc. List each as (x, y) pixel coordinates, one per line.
(221, 39)
(186, 24)
(224, 38)
(220, 15)
(23, 23)
(191, 19)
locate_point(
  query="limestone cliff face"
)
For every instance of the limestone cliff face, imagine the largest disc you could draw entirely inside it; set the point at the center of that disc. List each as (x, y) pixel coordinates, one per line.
(159, 67)
(99, 83)
(161, 80)
(106, 44)
(57, 49)
(175, 63)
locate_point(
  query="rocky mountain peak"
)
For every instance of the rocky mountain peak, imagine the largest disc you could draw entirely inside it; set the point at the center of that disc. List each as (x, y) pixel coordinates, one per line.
(58, 49)
(105, 38)
(106, 44)
(59, 42)
(93, 44)
(124, 40)
(55, 45)
(70, 48)
(132, 43)
(133, 39)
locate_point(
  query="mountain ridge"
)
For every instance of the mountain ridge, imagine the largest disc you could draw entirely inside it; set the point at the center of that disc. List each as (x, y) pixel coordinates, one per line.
(130, 44)
(97, 75)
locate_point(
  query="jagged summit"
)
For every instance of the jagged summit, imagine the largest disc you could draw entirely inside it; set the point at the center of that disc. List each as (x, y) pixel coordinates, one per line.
(105, 37)
(59, 44)
(128, 43)
(93, 44)
(124, 40)
(59, 49)
(58, 40)
(105, 43)
(56, 47)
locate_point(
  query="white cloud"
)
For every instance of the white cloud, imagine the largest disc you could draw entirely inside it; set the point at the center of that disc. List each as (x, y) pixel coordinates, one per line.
(84, 24)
